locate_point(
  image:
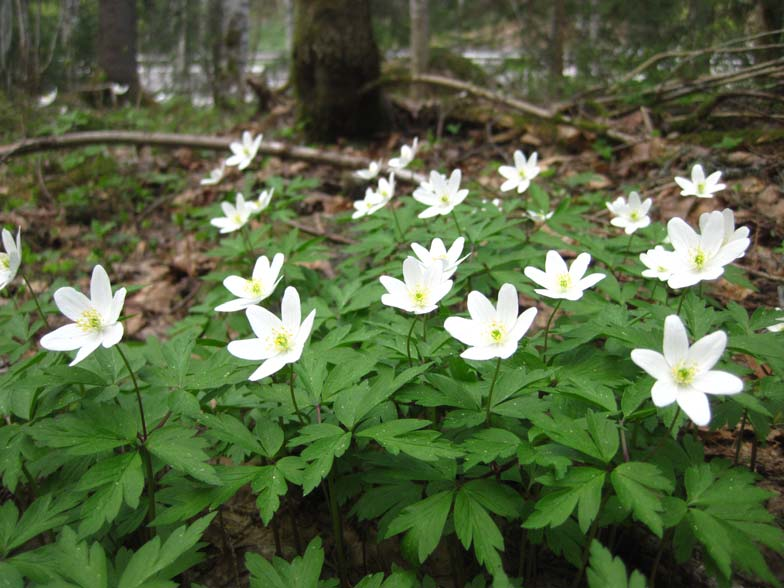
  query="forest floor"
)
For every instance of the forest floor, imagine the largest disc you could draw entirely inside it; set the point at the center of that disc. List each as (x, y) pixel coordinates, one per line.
(152, 250)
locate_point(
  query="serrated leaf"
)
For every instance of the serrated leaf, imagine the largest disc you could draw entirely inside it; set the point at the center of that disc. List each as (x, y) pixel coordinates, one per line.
(270, 485)
(325, 442)
(424, 522)
(229, 429)
(606, 571)
(487, 445)
(81, 563)
(87, 432)
(404, 435)
(178, 448)
(637, 485)
(302, 572)
(474, 526)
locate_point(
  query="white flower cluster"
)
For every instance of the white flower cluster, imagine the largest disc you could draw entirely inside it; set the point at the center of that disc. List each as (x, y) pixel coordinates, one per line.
(377, 199)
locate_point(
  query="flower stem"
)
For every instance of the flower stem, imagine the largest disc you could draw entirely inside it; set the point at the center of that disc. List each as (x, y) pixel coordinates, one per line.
(397, 223)
(337, 529)
(547, 328)
(293, 397)
(459, 230)
(246, 239)
(424, 328)
(408, 342)
(37, 304)
(144, 454)
(680, 303)
(492, 388)
(654, 289)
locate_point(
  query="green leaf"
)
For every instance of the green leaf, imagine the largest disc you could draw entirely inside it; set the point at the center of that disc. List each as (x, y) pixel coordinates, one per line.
(474, 525)
(637, 485)
(324, 443)
(582, 488)
(487, 445)
(229, 429)
(606, 571)
(302, 572)
(604, 433)
(117, 479)
(81, 563)
(42, 515)
(424, 522)
(154, 557)
(87, 432)
(270, 485)
(9, 576)
(178, 448)
(404, 435)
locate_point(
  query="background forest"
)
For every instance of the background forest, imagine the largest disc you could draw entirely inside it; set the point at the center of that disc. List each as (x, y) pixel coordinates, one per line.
(213, 202)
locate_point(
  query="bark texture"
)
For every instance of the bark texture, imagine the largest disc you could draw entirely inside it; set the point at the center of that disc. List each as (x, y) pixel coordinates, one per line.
(117, 42)
(334, 56)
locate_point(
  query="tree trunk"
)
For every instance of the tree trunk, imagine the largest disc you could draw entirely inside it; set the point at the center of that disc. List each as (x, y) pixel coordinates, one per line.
(334, 56)
(772, 16)
(117, 43)
(420, 42)
(557, 34)
(215, 39)
(235, 36)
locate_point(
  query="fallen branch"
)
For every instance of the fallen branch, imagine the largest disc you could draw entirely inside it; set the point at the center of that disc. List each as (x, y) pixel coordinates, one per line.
(173, 140)
(553, 116)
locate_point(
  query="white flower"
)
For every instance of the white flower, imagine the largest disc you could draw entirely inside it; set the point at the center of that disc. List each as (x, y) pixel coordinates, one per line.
(421, 289)
(386, 188)
(119, 89)
(731, 234)
(631, 215)
(215, 176)
(699, 185)
(11, 259)
(372, 202)
(47, 99)
(278, 340)
(407, 154)
(558, 281)
(491, 332)
(244, 151)
(520, 175)
(659, 262)
(95, 321)
(262, 202)
(684, 374)
(540, 217)
(236, 215)
(439, 194)
(438, 255)
(249, 292)
(778, 326)
(370, 173)
(701, 257)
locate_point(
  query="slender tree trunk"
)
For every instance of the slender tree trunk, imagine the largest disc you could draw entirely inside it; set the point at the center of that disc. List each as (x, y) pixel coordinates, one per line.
(288, 7)
(215, 37)
(772, 16)
(334, 56)
(182, 68)
(237, 16)
(420, 42)
(117, 42)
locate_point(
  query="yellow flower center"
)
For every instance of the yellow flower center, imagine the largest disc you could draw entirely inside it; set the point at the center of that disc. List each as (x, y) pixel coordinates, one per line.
(635, 216)
(419, 296)
(445, 199)
(254, 287)
(5, 261)
(564, 282)
(700, 187)
(497, 332)
(684, 374)
(282, 340)
(237, 218)
(699, 259)
(522, 173)
(90, 320)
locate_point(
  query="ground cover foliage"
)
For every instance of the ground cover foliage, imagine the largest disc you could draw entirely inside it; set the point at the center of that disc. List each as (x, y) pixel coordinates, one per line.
(116, 470)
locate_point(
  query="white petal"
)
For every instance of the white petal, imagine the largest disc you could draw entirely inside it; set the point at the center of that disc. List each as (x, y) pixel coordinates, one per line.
(652, 362)
(536, 275)
(519, 159)
(90, 345)
(237, 286)
(579, 266)
(695, 404)
(554, 264)
(235, 305)
(707, 351)
(269, 367)
(290, 309)
(687, 186)
(718, 382)
(117, 305)
(262, 321)
(697, 174)
(413, 271)
(422, 253)
(480, 308)
(304, 330)
(251, 349)
(463, 329)
(590, 281)
(65, 338)
(522, 324)
(480, 353)
(112, 335)
(676, 340)
(664, 392)
(71, 303)
(507, 305)
(431, 212)
(101, 291)
(681, 235)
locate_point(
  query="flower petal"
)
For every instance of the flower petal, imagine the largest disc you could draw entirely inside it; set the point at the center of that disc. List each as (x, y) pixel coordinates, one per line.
(480, 353)
(718, 382)
(681, 235)
(580, 266)
(237, 286)
(269, 367)
(112, 334)
(89, 346)
(508, 305)
(290, 309)
(101, 291)
(707, 351)
(695, 404)
(117, 305)
(676, 341)
(664, 392)
(522, 324)
(251, 349)
(536, 275)
(66, 338)
(463, 329)
(480, 308)
(653, 363)
(304, 329)
(554, 264)
(71, 303)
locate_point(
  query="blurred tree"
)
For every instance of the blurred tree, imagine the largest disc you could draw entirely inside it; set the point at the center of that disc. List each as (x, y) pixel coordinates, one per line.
(334, 56)
(117, 42)
(420, 41)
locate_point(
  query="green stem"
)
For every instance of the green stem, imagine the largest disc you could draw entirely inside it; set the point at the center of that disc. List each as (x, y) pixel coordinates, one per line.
(337, 529)
(37, 304)
(492, 388)
(293, 397)
(654, 289)
(244, 232)
(547, 328)
(680, 303)
(628, 250)
(424, 328)
(460, 231)
(397, 223)
(408, 342)
(145, 455)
